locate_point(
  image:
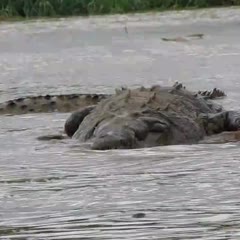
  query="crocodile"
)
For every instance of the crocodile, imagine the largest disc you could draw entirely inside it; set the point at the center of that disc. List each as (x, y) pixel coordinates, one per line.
(155, 116)
(135, 118)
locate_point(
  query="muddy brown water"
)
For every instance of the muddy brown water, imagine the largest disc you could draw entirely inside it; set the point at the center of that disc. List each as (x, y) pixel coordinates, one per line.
(60, 190)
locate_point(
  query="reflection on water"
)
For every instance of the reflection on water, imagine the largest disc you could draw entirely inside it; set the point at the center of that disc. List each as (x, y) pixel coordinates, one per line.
(60, 190)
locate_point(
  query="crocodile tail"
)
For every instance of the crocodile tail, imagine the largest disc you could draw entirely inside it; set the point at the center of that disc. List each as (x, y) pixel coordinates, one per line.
(50, 103)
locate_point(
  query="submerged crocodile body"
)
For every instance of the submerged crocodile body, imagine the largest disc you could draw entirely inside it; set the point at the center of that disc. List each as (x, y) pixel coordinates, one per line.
(141, 117)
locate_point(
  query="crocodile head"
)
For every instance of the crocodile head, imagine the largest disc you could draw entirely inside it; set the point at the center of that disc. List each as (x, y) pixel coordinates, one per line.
(125, 132)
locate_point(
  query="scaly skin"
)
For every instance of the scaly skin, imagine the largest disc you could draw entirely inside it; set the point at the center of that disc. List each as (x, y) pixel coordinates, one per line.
(69, 102)
(142, 117)
(147, 117)
(50, 103)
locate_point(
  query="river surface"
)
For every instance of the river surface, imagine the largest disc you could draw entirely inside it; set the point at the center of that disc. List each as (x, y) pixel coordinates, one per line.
(58, 189)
